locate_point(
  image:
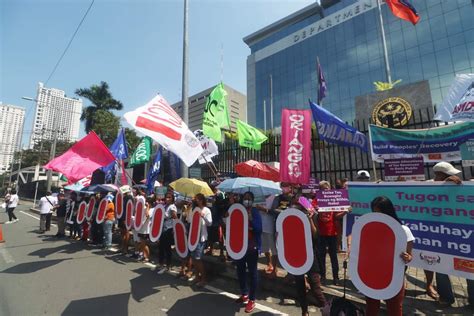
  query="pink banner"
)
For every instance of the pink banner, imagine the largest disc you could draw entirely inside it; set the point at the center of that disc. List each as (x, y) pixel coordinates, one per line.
(82, 158)
(295, 155)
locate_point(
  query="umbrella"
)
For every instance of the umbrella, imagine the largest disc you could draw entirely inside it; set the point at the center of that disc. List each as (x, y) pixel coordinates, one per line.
(257, 169)
(99, 188)
(191, 187)
(257, 186)
(74, 187)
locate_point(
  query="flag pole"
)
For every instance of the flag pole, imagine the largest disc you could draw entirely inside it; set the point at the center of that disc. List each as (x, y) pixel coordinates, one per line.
(384, 44)
(184, 168)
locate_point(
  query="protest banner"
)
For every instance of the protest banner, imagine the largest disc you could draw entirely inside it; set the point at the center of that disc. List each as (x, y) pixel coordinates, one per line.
(81, 212)
(237, 231)
(119, 204)
(156, 223)
(295, 155)
(311, 187)
(467, 153)
(440, 216)
(180, 238)
(100, 217)
(333, 200)
(140, 213)
(459, 102)
(435, 144)
(404, 169)
(129, 212)
(380, 276)
(294, 241)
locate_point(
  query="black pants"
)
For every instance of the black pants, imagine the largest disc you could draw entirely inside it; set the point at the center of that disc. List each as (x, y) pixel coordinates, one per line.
(11, 215)
(314, 280)
(165, 253)
(329, 242)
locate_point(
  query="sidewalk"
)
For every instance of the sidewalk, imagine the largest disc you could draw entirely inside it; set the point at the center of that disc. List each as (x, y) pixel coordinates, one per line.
(416, 301)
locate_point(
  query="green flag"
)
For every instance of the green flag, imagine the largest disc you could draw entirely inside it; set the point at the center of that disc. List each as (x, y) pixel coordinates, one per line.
(142, 153)
(216, 115)
(250, 136)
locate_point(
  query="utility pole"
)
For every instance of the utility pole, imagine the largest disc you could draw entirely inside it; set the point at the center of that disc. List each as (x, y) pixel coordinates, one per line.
(184, 168)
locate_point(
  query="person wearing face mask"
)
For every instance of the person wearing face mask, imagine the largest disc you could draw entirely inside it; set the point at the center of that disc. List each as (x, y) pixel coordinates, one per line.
(249, 260)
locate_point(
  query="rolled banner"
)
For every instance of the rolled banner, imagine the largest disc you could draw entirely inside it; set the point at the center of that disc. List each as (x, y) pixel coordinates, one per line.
(139, 214)
(119, 204)
(157, 223)
(101, 211)
(129, 210)
(382, 276)
(194, 235)
(237, 232)
(81, 212)
(180, 240)
(294, 241)
(90, 208)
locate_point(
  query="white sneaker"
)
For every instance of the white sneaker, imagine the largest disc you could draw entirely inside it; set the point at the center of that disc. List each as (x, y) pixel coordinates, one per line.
(8, 222)
(16, 220)
(162, 270)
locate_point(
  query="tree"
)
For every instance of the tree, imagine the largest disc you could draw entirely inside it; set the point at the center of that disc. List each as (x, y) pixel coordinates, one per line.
(101, 99)
(133, 140)
(106, 125)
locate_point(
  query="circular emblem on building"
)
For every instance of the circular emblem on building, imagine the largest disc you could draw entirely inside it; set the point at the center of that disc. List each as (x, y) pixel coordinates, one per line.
(392, 112)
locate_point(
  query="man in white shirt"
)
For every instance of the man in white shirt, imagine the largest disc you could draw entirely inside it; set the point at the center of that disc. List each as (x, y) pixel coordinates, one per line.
(11, 204)
(46, 205)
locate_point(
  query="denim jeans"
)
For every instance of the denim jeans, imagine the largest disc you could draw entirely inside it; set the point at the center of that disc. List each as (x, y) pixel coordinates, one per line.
(108, 233)
(249, 261)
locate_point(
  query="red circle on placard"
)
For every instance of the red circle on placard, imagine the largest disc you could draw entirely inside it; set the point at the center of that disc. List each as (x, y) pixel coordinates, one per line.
(180, 232)
(157, 222)
(102, 209)
(90, 208)
(236, 242)
(376, 271)
(294, 241)
(81, 212)
(119, 204)
(138, 214)
(129, 214)
(196, 221)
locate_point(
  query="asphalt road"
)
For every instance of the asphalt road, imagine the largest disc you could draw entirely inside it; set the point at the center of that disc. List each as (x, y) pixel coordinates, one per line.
(40, 275)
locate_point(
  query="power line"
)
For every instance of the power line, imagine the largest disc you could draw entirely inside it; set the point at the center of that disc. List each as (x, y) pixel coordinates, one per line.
(70, 42)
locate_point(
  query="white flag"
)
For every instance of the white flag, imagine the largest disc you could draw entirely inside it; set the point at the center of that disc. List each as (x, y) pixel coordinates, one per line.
(208, 145)
(159, 121)
(459, 103)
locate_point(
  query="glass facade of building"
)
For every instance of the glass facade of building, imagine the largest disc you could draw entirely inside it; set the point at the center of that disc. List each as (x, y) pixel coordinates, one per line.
(348, 42)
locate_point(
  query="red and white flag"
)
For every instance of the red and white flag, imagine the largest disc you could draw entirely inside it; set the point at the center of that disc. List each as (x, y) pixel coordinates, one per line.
(159, 121)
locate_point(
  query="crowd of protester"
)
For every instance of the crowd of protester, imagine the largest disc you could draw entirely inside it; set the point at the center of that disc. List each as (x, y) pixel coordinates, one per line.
(326, 230)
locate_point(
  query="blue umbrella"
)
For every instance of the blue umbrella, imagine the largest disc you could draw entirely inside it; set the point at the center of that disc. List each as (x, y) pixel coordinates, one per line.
(101, 188)
(258, 187)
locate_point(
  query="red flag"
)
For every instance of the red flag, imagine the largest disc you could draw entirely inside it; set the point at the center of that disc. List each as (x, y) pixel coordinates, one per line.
(85, 156)
(404, 10)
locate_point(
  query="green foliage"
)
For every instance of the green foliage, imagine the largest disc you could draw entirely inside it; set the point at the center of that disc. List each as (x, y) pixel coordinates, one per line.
(101, 99)
(106, 125)
(133, 140)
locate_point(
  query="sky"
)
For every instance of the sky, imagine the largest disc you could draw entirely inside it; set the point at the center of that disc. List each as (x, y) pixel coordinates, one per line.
(134, 45)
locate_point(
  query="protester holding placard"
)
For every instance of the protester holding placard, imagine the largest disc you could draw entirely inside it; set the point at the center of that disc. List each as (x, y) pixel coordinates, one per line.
(206, 221)
(109, 221)
(167, 238)
(124, 233)
(327, 242)
(249, 261)
(144, 230)
(383, 205)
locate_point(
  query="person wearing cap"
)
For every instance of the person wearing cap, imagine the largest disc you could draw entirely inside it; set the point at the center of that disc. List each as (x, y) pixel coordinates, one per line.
(124, 233)
(109, 221)
(363, 176)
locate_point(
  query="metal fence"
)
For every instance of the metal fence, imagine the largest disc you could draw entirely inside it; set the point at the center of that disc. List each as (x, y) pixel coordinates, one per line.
(328, 161)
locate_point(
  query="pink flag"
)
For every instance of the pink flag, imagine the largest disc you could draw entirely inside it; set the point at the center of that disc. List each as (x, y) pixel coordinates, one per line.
(83, 158)
(295, 155)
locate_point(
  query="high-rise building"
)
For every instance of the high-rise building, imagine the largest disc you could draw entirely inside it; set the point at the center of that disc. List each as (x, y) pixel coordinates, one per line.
(56, 114)
(11, 128)
(346, 36)
(236, 103)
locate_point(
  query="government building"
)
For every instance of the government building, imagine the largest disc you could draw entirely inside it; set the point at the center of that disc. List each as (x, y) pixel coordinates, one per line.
(346, 36)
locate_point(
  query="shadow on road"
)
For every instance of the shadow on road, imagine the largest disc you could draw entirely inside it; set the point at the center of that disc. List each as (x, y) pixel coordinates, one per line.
(116, 305)
(65, 248)
(32, 267)
(205, 304)
(147, 283)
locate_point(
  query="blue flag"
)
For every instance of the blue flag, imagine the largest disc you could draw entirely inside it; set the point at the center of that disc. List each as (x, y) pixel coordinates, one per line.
(333, 130)
(175, 166)
(154, 171)
(322, 86)
(120, 151)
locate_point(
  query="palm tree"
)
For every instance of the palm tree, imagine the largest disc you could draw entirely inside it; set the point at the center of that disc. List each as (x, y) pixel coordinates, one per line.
(101, 99)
